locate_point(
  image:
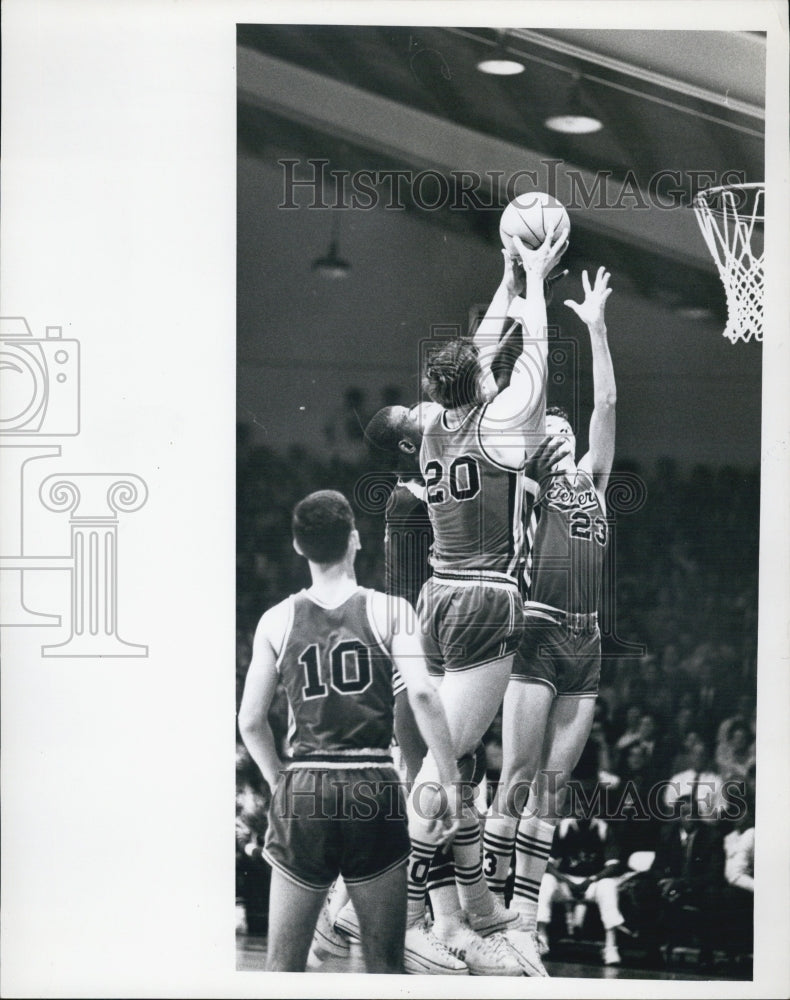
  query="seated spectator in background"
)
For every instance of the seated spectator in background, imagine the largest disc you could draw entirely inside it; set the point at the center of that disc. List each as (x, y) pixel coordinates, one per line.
(746, 711)
(252, 872)
(630, 733)
(685, 757)
(637, 828)
(595, 762)
(674, 746)
(648, 684)
(647, 737)
(583, 866)
(735, 752)
(716, 693)
(654, 691)
(699, 782)
(689, 875)
(738, 896)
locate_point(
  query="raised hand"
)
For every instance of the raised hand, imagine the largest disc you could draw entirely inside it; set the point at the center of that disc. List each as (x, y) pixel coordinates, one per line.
(541, 260)
(591, 310)
(547, 457)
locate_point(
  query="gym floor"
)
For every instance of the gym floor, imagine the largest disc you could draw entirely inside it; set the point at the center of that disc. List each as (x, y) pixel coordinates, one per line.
(251, 957)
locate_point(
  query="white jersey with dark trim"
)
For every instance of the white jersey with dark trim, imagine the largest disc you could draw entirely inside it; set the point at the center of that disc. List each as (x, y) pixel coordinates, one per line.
(474, 503)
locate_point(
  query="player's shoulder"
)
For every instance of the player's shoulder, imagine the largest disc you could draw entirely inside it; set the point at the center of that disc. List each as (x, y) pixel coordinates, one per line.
(388, 613)
(274, 623)
(405, 500)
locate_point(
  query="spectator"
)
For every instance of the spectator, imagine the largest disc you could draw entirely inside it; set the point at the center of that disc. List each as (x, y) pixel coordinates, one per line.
(674, 746)
(745, 710)
(630, 734)
(700, 783)
(583, 867)
(684, 758)
(689, 874)
(738, 896)
(735, 753)
(252, 872)
(637, 826)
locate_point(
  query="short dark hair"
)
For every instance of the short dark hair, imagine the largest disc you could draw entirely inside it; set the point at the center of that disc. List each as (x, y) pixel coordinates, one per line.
(452, 375)
(383, 433)
(322, 524)
(558, 411)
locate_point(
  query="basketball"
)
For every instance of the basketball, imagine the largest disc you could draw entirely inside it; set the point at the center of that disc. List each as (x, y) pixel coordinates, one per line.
(530, 216)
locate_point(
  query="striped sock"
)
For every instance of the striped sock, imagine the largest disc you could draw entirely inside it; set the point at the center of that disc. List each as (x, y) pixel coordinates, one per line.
(442, 893)
(498, 840)
(420, 859)
(533, 847)
(473, 892)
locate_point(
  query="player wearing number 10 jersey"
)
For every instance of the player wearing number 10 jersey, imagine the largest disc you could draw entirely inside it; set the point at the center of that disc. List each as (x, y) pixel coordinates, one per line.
(336, 803)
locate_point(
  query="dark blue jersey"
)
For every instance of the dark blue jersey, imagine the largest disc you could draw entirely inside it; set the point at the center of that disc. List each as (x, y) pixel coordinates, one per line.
(337, 674)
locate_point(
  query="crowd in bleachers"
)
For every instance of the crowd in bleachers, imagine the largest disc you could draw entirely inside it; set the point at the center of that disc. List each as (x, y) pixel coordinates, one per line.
(678, 683)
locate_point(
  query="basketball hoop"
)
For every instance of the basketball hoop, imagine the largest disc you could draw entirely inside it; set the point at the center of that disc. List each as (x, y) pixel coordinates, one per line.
(731, 219)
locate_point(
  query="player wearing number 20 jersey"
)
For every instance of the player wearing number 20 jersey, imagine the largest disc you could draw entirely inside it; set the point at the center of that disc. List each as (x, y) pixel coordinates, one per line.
(474, 503)
(470, 606)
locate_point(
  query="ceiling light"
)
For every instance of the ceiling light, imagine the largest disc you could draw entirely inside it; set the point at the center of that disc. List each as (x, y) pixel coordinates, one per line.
(500, 67)
(577, 117)
(500, 63)
(332, 265)
(574, 124)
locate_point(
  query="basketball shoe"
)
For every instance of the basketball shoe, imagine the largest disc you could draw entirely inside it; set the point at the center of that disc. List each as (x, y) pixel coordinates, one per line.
(347, 922)
(484, 956)
(424, 954)
(326, 940)
(509, 925)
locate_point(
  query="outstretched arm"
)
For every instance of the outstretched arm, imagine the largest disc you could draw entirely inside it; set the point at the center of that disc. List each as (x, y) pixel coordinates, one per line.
(598, 460)
(496, 322)
(517, 412)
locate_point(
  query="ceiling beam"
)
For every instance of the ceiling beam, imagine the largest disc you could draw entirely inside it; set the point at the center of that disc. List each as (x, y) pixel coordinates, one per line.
(427, 142)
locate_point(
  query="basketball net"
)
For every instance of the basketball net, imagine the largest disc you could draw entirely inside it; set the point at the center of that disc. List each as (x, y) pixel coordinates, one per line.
(727, 217)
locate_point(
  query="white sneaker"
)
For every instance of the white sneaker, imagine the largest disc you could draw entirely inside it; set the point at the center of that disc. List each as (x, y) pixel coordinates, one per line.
(542, 941)
(347, 922)
(424, 954)
(526, 947)
(484, 956)
(499, 919)
(326, 940)
(611, 956)
(518, 935)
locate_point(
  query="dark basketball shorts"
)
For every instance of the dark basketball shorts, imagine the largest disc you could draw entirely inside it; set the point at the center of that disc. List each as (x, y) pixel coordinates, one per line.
(325, 822)
(569, 661)
(467, 625)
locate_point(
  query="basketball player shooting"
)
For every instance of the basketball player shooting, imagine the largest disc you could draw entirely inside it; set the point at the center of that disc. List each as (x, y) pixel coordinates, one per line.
(550, 700)
(337, 806)
(472, 459)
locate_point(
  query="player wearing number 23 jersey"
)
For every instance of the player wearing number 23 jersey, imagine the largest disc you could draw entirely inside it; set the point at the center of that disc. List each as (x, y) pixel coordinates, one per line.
(561, 641)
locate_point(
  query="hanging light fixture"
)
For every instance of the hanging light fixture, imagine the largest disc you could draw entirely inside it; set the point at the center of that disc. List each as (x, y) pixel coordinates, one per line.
(500, 62)
(578, 118)
(332, 265)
